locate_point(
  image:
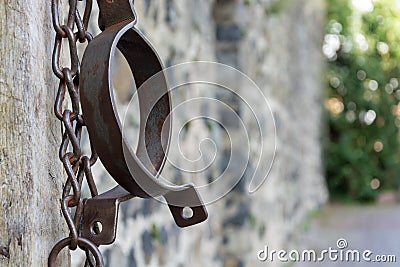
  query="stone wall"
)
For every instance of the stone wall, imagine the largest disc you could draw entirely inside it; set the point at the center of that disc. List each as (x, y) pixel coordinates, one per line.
(278, 45)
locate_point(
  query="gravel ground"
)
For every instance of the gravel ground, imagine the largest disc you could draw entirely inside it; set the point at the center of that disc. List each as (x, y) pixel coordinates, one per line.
(374, 227)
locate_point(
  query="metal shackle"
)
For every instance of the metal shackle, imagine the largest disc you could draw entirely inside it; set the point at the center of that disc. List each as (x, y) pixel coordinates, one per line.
(136, 172)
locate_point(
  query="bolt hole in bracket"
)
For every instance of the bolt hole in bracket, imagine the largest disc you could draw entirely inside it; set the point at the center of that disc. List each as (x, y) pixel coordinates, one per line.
(117, 21)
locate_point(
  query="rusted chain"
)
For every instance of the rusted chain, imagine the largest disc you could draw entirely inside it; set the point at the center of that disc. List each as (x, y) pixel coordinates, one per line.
(76, 165)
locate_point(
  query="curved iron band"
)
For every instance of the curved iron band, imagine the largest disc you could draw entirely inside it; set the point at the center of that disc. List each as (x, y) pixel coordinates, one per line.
(105, 128)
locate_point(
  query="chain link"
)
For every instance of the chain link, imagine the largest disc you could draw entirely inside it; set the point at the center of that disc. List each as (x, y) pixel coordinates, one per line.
(76, 165)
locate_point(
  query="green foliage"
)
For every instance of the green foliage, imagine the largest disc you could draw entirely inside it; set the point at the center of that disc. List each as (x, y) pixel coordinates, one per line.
(276, 7)
(155, 233)
(363, 51)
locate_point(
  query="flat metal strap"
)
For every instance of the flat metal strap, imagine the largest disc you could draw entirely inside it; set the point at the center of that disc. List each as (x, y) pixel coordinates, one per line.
(100, 216)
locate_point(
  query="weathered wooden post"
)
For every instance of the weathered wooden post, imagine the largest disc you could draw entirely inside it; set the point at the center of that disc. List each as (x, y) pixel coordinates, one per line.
(30, 173)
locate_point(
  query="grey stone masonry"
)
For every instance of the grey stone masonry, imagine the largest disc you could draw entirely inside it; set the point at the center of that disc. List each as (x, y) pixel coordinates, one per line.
(277, 43)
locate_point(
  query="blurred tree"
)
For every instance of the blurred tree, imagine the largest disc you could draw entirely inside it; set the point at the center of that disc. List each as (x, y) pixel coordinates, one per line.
(362, 44)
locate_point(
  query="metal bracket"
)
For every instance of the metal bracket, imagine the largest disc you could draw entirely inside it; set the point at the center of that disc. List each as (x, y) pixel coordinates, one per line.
(100, 216)
(136, 173)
